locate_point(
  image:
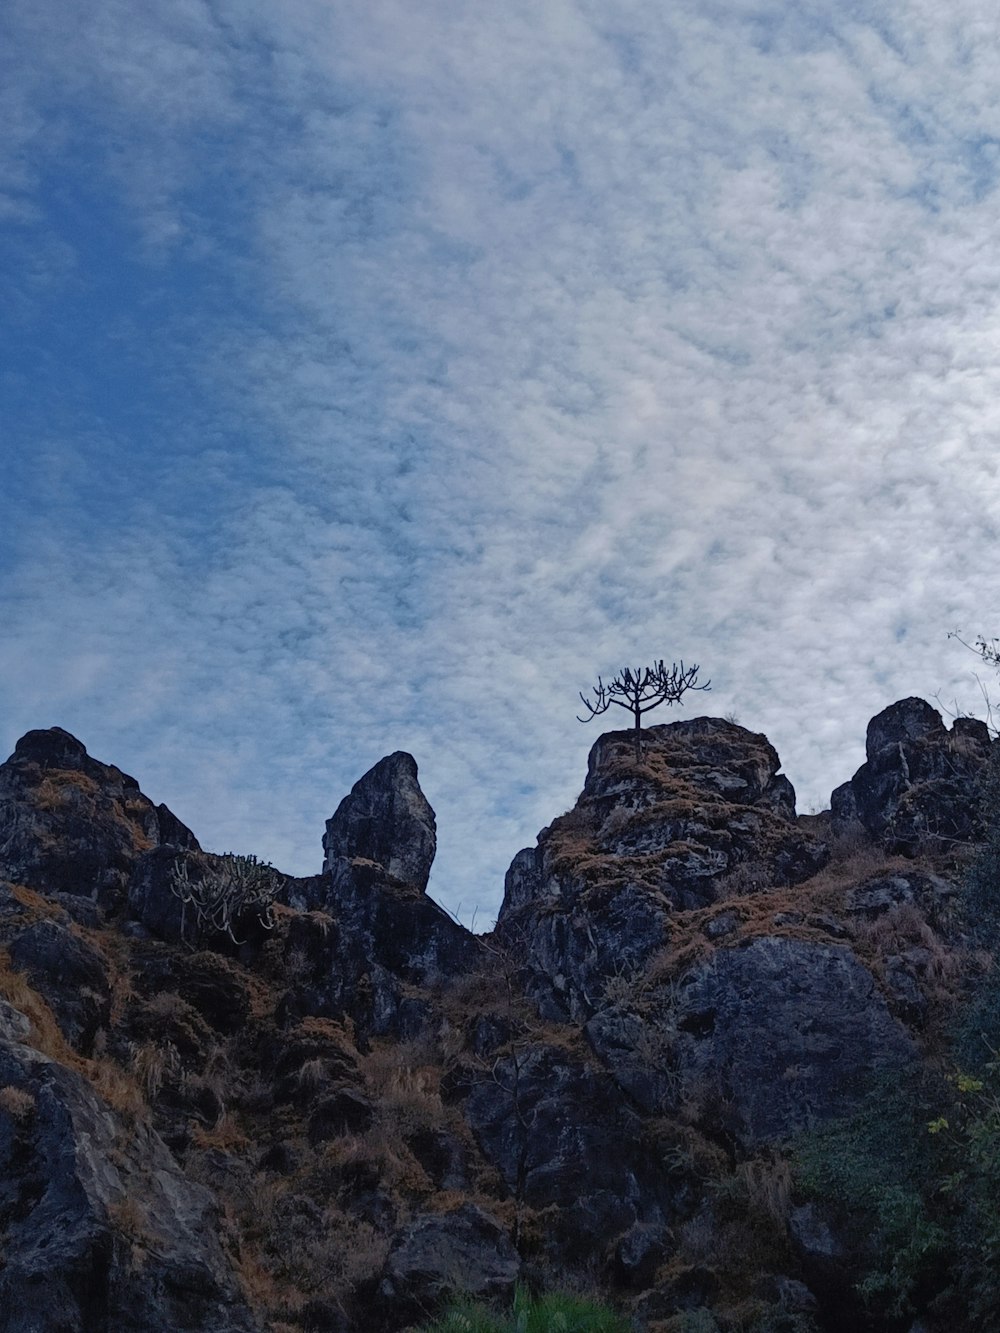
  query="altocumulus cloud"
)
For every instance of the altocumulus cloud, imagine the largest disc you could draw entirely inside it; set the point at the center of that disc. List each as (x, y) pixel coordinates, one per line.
(373, 378)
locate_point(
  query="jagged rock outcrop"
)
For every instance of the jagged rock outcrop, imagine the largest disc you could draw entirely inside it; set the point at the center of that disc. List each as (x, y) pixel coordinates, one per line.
(386, 820)
(374, 931)
(706, 814)
(343, 1120)
(919, 780)
(70, 823)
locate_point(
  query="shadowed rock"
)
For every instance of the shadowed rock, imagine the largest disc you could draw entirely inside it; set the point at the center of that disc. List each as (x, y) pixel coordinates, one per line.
(70, 975)
(375, 931)
(440, 1255)
(101, 1228)
(783, 1033)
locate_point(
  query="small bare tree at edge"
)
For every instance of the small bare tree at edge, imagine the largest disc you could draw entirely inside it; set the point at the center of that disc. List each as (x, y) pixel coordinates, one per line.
(642, 689)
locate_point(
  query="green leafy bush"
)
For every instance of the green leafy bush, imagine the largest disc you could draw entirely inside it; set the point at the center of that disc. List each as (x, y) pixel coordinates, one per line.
(880, 1170)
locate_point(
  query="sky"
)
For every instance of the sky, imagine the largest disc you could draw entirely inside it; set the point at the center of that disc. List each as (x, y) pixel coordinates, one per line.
(373, 375)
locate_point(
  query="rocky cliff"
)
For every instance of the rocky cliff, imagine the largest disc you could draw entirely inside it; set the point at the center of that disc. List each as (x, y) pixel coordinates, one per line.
(343, 1108)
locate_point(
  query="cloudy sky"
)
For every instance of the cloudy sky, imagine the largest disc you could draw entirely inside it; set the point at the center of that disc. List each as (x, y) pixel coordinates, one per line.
(375, 373)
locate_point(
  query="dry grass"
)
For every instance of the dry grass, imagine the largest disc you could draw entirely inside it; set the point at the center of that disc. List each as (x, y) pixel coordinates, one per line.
(17, 1103)
(36, 905)
(293, 1250)
(118, 1088)
(404, 1080)
(152, 1063)
(225, 1135)
(67, 787)
(760, 1188)
(903, 931)
(129, 1220)
(44, 1035)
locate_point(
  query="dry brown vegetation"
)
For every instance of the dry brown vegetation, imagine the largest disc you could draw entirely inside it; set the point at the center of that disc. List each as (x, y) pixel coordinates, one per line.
(17, 1103)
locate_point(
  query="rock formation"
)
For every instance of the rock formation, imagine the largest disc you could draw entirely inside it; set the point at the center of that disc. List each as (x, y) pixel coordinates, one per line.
(705, 816)
(356, 1108)
(916, 780)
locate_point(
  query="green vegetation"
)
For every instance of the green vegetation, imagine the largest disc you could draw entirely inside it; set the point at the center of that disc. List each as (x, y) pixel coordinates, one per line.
(880, 1169)
(556, 1312)
(914, 1177)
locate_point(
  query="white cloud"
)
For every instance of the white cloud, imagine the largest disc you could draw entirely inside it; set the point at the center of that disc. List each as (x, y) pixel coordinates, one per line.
(559, 338)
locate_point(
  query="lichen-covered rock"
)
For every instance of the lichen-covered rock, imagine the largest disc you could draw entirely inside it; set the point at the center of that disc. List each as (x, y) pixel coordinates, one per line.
(780, 1034)
(72, 824)
(919, 781)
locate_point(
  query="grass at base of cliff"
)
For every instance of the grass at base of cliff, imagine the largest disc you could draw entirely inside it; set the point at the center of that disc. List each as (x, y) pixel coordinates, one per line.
(556, 1312)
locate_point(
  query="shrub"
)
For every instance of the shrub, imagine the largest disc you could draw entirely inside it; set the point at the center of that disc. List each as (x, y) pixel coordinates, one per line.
(235, 890)
(880, 1170)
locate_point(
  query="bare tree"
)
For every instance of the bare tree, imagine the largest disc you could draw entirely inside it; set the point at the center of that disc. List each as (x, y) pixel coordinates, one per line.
(640, 690)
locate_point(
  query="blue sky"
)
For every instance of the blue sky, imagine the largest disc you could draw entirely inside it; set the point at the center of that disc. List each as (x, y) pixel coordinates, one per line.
(374, 375)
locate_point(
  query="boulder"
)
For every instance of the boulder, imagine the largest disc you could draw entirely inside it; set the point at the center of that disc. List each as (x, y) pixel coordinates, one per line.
(386, 820)
(438, 1255)
(780, 1034)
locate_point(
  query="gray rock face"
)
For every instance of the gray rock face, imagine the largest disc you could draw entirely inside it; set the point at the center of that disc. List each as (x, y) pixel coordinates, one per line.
(908, 720)
(560, 1132)
(781, 1034)
(368, 946)
(919, 780)
(70, 823)
(386, 819)
(444, 1254)
(873, 897)
(101, 1229)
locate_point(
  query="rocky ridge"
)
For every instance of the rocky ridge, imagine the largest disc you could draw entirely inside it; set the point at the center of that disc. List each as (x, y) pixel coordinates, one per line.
(336, 1117)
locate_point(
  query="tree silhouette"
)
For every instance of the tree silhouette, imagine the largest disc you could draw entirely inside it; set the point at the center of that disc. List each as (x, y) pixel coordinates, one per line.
(640, 690)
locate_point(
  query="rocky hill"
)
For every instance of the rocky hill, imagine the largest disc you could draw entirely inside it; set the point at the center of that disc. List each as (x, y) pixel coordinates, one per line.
(709, 1065)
